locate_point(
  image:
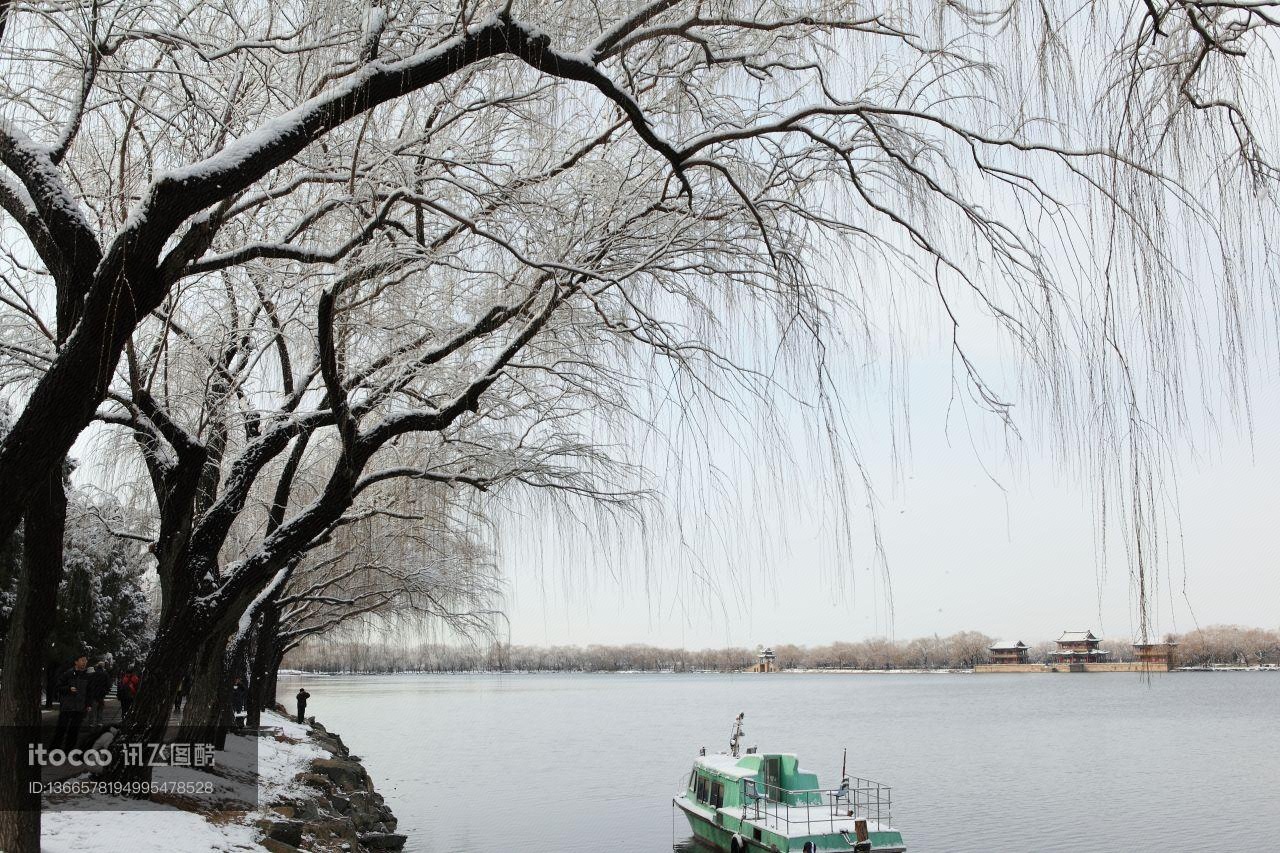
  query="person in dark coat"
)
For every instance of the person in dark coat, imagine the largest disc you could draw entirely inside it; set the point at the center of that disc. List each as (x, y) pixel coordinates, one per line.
(52, 669)
(99, 687)
(73, 701)
(126, 689)
(184, 687)
(239, 701)
(303, 696)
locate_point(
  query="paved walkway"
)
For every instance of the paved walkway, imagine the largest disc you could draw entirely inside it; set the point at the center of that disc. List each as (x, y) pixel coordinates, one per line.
(89, 732)
(110, 717)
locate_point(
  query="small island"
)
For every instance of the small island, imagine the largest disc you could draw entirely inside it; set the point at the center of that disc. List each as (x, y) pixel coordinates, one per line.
(1080, 651)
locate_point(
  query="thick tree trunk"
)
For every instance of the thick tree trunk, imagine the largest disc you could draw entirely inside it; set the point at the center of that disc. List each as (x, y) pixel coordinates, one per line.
(265, 664)
(172, 655)
(207, 714)
(273, 678)
(189, 639)
(24, 660)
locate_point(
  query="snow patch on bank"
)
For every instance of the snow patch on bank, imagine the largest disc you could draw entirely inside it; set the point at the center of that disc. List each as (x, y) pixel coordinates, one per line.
(279, 762)
(148, 827)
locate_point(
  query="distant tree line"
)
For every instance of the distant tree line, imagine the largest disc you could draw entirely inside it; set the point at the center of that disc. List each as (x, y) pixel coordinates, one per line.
(958, 651)
(1229, 644)
(1215, 645)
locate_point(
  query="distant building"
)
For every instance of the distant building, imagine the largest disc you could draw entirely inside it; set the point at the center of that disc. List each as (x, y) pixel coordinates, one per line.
(1076, 647)
(1007, 651)
(1079, 651)
(1155, 655)
(765, 662)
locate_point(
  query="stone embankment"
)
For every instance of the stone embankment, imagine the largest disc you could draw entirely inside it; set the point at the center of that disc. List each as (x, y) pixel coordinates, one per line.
(332, 806)
(1110, 666)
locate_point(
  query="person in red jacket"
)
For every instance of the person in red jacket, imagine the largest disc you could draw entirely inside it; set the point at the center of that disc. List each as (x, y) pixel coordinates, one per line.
(126, 689)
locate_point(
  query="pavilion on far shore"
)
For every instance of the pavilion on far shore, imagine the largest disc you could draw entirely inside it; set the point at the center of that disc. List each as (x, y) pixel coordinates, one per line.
(1079, 647)
(1079, 651)
(1008, 651)
(1156, 654)
(766, 661)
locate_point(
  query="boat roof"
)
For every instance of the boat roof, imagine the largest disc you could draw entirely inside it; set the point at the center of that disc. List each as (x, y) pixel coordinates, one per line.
(734, 768)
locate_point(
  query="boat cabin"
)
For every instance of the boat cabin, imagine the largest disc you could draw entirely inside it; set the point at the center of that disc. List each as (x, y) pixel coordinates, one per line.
(722, 781)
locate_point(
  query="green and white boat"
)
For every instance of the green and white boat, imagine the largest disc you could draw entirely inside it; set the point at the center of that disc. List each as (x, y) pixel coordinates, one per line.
(763, 801)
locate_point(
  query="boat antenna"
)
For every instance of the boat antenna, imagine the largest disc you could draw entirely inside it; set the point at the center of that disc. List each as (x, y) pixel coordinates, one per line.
(736, 737)
(844, 764)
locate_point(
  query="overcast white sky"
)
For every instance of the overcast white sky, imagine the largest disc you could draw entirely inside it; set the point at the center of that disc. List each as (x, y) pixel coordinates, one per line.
(974, 539)
(963, 554)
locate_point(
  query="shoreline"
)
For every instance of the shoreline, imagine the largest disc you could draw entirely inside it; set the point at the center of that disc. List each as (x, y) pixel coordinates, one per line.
(311, 794)
(334, 808)
(810, 671)
(323, 673)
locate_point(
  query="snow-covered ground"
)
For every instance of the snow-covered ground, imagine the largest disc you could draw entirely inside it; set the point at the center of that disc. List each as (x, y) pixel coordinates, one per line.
(146, 827)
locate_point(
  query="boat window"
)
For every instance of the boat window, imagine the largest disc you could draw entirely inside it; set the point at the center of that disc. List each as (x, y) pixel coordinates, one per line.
(693, 779)
(717, 794)
(773, 777)
(702, 788)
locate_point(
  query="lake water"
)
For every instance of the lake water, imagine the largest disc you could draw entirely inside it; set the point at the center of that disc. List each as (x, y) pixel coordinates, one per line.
(542, 763)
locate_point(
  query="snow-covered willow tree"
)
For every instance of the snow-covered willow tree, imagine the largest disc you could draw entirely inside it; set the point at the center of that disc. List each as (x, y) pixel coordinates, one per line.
(503, 219)
(1191, 67)
(419, 564)
(273, 411)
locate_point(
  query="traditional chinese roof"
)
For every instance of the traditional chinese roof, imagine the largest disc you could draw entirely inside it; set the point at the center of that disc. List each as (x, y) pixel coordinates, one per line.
(1007, 646)
(1077, 637)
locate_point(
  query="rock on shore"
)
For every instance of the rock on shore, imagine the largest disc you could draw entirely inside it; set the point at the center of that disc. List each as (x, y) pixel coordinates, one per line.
(332, 808)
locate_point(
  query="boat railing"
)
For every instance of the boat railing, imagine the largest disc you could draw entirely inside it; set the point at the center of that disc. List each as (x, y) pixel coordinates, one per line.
(817, 809)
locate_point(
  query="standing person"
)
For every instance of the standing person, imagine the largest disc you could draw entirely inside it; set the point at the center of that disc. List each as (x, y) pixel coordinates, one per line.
(126, 689)
(303, 696)
(239, 701)
(73, 701)
(52, 669)
(183, 688)
(99, 687)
